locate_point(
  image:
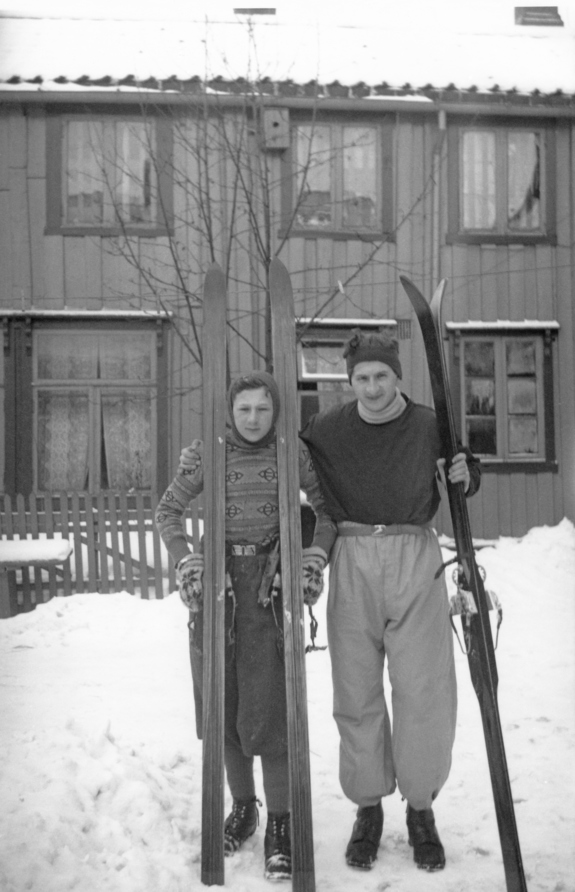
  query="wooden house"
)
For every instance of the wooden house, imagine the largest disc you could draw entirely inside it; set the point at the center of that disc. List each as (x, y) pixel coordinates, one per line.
(120, 182)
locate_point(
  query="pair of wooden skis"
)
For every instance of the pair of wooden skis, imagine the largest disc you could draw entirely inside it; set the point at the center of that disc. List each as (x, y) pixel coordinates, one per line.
(214, 408)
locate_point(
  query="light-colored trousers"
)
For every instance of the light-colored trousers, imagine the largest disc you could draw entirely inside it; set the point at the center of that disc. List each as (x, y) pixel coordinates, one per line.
(385, 602)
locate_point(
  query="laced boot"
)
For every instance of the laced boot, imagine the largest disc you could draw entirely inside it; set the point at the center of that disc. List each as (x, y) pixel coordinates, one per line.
(277, 847)
(240, 824)
(428, 852)
(362, 848)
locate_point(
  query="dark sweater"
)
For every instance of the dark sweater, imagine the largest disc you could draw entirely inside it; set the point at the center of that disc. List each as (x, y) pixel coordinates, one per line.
(379, 473)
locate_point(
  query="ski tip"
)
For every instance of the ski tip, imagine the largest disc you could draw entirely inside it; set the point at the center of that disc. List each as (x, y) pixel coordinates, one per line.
(279, 276)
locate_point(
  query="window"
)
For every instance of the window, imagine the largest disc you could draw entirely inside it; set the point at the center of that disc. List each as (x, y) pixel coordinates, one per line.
(87, 402)
(108, 174)
(322, 373)
(341, 180)
(505, 387)
(501, 184)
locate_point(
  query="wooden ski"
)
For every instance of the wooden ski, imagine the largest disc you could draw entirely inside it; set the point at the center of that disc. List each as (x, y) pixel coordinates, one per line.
(481, 653)
(285, 373)
(214, 422)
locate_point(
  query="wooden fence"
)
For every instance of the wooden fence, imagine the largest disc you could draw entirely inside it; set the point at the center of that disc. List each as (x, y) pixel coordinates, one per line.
(116, 546)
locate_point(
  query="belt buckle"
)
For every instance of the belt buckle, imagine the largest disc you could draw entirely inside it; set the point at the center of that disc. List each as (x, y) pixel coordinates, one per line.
(244, 550)
(379, 529)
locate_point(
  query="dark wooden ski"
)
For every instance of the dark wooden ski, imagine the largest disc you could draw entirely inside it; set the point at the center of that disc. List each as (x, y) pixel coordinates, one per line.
(481, 653)
(214, 421)
(285, 373)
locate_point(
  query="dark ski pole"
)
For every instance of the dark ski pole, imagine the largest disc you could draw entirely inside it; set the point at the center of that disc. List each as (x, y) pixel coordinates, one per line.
(481, 653)
(285, 373)
(214, 423)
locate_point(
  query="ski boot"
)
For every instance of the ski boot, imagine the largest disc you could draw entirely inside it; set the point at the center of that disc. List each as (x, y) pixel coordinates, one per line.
(277, 847)
(240, 824)
(362, 848)
(428, 852)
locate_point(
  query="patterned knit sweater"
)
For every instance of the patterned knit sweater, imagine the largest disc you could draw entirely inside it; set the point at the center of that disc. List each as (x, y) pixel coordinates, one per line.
(251, 497)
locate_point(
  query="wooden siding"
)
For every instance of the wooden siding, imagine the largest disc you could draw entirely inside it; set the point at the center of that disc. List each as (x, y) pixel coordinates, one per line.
(486, 282)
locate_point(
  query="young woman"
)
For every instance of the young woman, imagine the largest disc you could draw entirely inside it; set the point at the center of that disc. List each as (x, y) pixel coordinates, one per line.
(255, 697)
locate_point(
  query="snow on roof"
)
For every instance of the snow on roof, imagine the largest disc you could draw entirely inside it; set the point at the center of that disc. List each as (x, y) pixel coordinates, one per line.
(416, 43)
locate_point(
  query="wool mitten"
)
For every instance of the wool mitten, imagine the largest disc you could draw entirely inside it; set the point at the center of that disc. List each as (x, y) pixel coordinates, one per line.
(189, 573)
(191, 458)
(314, 560)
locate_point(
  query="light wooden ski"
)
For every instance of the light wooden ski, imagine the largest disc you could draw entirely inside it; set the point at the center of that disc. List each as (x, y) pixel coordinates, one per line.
(214, 419)
(285, 373)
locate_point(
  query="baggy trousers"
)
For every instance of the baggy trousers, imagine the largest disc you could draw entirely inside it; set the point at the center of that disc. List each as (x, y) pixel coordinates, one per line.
(385, 602)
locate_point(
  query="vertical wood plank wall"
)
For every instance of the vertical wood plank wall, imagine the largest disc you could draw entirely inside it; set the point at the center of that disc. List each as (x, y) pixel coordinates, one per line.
(486, 282)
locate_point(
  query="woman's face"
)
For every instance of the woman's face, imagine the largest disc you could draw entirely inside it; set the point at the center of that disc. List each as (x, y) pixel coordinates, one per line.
(253, 413)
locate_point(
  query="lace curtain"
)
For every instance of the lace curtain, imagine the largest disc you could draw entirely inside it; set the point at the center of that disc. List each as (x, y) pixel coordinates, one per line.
(106, 411)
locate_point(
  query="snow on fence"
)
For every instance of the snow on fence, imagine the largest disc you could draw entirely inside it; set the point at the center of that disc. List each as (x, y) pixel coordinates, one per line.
(116, 546)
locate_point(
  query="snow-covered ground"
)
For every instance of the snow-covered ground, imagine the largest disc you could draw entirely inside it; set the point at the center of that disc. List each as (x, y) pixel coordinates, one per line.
(100, 771)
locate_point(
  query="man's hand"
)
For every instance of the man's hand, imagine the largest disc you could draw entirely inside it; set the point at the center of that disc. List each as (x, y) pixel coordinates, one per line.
(191, 458)
(458, 470)
(314, 560)
(190, 573)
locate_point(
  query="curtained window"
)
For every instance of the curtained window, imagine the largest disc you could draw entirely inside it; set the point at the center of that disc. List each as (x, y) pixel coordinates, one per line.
(94, 410)
(339, 179)
(501, 185)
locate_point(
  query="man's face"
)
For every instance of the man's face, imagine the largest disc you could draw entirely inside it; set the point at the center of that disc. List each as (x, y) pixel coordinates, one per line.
(253, 413)
(374, 384)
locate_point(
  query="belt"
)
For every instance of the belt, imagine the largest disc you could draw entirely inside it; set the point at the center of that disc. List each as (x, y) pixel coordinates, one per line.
(249, 550)
(348, 528)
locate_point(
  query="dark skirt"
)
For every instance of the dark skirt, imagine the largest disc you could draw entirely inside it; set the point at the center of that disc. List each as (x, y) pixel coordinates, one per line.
(255, 713)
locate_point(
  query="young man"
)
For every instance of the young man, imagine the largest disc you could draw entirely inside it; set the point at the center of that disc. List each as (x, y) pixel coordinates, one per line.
(377, 461)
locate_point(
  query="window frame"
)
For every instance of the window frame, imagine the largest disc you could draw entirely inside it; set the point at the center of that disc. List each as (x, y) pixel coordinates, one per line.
(55, 151)
(385, 129)
(20, 397)
(545, 333)
(456, 234)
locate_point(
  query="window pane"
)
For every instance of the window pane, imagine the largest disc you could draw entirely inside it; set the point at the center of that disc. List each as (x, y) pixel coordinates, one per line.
(63, 356)
(62, 441)
(478, 179)
(480, 396)
(523, 435)
(126, 356)
(136, 193)
(314, 159)
(480, 358)
(481, 436)
(522, 396)
(127, 440)
(520, 357)
(523, 181)
(83, 178)
(323, 359)
(359, 177)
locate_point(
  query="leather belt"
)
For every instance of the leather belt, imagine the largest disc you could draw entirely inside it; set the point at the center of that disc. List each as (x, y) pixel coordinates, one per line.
(348, 528)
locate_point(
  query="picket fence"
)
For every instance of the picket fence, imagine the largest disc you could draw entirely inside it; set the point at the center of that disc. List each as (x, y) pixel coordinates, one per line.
(116, 546)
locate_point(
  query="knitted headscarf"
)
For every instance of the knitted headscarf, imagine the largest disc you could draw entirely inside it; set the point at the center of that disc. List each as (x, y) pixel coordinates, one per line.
(371, 347)
(253, 381)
